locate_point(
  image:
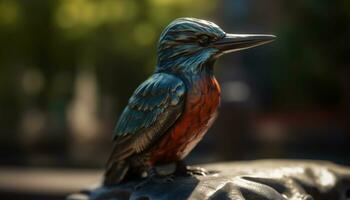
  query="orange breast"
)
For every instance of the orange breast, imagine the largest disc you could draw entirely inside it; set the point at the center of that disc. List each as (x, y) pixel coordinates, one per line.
(203, 99)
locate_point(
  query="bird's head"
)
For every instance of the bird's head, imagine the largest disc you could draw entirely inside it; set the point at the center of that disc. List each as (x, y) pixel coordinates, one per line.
(187, 44)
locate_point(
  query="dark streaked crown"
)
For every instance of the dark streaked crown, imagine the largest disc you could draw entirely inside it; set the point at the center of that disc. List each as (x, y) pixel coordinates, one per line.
(189, 30)
(186, 37)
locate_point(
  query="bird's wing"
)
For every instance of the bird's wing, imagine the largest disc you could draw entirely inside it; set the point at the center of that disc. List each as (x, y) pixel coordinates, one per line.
(152, 110)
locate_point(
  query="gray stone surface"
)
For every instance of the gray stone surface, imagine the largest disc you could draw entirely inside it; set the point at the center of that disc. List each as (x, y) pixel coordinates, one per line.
(264, 179)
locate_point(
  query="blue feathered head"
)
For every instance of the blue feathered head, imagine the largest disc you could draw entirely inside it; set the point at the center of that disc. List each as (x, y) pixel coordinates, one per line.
(186, 44)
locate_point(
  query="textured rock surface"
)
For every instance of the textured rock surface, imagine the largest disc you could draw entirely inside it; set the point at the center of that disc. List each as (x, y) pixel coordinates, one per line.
(265, 179)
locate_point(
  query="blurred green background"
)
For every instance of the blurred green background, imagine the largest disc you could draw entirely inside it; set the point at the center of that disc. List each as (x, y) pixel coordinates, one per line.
(68, 67)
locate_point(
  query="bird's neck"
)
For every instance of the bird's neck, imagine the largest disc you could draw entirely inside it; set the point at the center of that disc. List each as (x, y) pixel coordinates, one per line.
(198, 63)
(190, 72)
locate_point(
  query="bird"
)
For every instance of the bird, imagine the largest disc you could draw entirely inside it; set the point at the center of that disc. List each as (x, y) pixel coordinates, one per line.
(170, 112)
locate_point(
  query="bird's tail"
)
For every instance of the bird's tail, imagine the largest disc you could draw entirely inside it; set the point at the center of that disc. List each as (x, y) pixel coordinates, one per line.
(115, 172)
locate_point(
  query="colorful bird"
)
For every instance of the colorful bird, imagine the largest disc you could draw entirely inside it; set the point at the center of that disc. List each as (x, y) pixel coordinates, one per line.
(170, 112)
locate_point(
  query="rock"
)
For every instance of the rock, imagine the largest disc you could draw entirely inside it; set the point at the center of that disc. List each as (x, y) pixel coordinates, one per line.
(265, 179)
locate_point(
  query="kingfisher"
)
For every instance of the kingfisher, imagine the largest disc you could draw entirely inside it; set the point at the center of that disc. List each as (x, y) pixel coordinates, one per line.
(171, 111)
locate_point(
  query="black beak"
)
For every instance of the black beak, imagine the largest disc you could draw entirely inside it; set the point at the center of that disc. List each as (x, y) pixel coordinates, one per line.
(237, 42)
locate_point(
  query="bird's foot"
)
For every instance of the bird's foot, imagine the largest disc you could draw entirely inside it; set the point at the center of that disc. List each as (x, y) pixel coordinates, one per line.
(190, 171)
(155, 178)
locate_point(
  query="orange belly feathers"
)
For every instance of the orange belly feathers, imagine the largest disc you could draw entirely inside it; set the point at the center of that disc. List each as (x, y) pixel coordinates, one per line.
(200, 111)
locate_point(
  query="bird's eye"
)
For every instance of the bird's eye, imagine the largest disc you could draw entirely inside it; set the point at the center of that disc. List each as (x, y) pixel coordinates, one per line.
(204, 40)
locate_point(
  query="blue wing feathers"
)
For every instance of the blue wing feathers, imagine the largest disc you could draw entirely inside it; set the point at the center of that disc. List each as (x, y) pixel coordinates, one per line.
(149, 101)
(153, 108)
